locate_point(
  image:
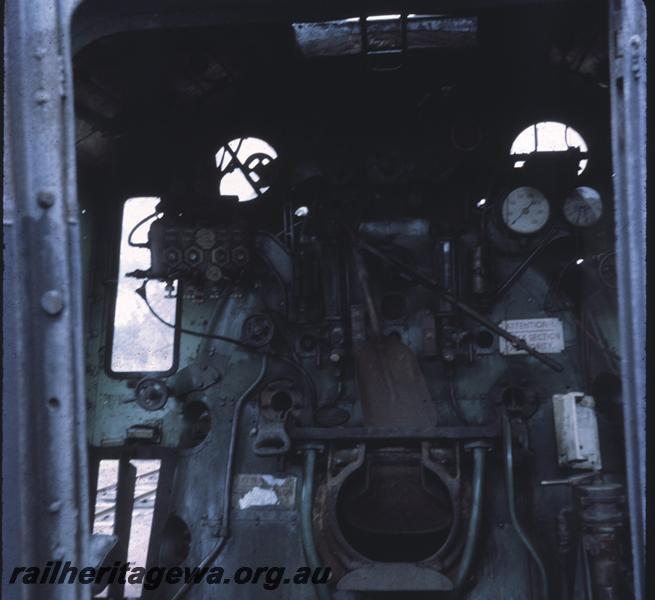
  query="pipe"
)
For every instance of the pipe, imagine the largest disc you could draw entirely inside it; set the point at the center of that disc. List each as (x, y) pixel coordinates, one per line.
(224, 533)
(362, 275)
(586, 573)
(229, 468)
(479, 455)
(208, 560)
(524, 265)
(509, 484)
(307, 531)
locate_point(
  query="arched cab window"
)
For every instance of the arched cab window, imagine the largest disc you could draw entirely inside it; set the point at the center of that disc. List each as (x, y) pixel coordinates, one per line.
(245, 168)
(548, 136)
(141, 343)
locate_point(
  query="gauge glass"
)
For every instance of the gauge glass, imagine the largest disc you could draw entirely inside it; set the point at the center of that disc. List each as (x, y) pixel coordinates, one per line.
(525, 210)
(583, 207)
(205, 238)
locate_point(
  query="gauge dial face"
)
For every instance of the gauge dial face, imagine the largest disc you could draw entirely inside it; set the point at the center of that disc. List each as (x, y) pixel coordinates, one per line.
(525, 210)
(205, 238)
(583, 207)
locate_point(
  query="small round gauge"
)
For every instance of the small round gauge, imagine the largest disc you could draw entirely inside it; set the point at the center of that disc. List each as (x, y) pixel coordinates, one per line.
(205, 238)
(583, 207)
(525, 210)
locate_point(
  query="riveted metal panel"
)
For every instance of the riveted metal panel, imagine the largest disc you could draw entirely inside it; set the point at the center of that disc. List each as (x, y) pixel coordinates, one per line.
(43, 399)
(628, 87)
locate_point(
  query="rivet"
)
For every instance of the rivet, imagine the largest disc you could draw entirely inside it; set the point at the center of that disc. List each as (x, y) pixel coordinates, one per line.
(52, 302)
(41, 97)
(45, 199)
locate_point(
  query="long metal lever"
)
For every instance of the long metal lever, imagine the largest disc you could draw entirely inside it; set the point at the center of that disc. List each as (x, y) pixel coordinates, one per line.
(465, 308)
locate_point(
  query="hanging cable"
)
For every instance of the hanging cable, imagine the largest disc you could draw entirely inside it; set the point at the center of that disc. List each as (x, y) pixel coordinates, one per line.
(210, 336)
(134, 229)
(295, 362)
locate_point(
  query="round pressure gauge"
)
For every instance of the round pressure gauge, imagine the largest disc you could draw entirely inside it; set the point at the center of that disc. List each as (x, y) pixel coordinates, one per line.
(205, 238)
(583, 207)
(525, 210)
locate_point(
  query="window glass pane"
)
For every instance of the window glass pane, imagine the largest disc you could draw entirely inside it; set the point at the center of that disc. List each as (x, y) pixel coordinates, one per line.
(244, 182)
(548, 136)
(140, 341)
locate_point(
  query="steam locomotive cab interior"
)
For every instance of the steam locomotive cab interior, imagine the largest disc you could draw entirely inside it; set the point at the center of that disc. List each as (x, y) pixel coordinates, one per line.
(352, 282)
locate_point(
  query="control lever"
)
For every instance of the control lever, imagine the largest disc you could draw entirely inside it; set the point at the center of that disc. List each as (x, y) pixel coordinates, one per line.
(465, 308)
(570, 480)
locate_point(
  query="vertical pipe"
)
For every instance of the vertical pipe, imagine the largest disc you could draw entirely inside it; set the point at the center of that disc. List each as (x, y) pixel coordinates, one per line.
(307, 530)
(229, 467)
(479, 454)
(509, 484)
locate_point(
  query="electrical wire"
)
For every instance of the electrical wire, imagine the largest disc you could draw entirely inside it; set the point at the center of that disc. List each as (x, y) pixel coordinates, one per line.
(582, 323)
(209, 336)
(277, 319)
(509, 485)
(612, 357)
(134, 229)
(295, 362)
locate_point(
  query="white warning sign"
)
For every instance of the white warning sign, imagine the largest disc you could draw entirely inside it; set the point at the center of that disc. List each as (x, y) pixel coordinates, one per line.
(544, 335)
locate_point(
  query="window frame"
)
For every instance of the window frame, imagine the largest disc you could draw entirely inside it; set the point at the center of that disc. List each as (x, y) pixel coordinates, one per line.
(111, 313)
